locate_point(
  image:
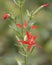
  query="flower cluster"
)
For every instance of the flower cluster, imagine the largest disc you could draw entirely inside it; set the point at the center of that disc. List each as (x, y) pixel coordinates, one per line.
(30, 39)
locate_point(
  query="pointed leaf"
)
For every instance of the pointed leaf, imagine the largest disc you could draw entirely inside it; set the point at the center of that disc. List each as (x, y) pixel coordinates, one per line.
(28, 13)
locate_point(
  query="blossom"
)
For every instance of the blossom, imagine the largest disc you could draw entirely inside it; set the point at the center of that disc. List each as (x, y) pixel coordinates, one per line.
(30, 41)
(33, 27)
(45, 5)
(25, 25)
(6, 16)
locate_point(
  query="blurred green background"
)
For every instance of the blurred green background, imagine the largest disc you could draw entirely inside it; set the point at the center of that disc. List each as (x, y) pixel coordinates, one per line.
(8, 50)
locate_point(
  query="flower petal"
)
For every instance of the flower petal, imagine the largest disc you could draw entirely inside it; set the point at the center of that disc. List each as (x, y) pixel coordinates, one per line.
(19, 25)
(24, 42)
(34, 27)
(25, 23)
(35, 37)
(28, 35)
(29, 47)
(37, 45)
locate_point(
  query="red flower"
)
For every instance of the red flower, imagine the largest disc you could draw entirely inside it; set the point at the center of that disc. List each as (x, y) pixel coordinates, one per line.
(25, 25)
(30, 41)
(45, 5)
(20, 25)
(34, 27)
(6, 16)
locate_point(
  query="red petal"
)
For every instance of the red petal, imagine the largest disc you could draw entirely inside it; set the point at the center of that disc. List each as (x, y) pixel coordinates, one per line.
(6, 16)
(34, 27)
(29, 47)
(37, 45)
(45, 5)
(35, 37)
(25, 23)
(19, 25)
(24, 42)
(28, 35)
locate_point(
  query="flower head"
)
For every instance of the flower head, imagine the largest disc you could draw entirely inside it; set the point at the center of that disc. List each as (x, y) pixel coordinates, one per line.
(6, 16)
(30, 41)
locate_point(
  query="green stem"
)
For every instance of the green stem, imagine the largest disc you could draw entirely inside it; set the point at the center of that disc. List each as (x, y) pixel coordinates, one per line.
(21, 18)
(26, 60)
(25, 57)
(37, 10)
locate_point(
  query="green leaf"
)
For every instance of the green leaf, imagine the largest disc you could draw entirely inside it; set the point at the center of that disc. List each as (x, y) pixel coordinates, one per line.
(19, 3)
(18, 62)
(17, 33)
(28, 13)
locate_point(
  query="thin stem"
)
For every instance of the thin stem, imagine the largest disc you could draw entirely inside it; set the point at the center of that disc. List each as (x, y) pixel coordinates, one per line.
(21, 18)
(22, 53)
(21, 14)
(25, 57)
(26, 60)
(37, 10)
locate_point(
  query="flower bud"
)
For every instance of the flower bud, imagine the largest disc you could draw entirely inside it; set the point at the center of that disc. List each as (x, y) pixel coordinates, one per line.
(45, 5)
(6, 16)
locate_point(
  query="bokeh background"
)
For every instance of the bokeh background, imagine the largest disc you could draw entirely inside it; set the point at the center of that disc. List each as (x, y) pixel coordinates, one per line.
(8, 49)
